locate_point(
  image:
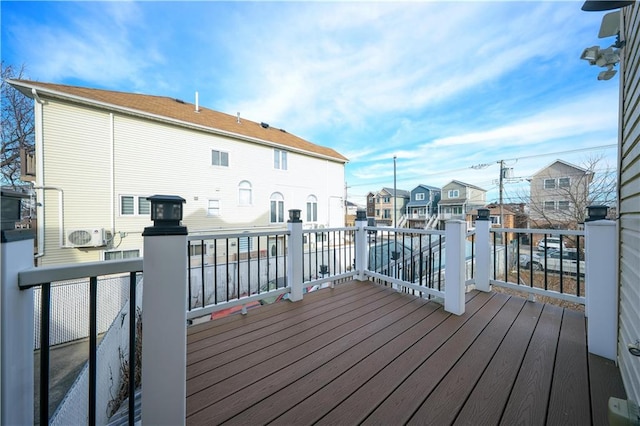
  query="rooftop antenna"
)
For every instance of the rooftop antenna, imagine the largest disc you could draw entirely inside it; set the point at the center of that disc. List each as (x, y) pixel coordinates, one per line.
(238, 118)
(197, 107)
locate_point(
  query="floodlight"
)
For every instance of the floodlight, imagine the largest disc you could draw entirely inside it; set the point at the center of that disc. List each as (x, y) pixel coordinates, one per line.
(607, 57)
(608, 74)
(591, 54)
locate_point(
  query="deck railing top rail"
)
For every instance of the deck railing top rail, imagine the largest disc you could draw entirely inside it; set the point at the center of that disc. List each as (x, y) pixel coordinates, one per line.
(48, 274)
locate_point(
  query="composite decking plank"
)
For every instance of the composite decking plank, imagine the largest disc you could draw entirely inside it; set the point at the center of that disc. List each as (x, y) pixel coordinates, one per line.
(569, 401)
(489, 397)
(446, 400)
(277, 372)
(254, 325)
(212, 370)
(604, 382)
(529, 397)
(271, 407)
(216, 356)
(217, 326)
(360, 403)
(309, 410)
(397, 408)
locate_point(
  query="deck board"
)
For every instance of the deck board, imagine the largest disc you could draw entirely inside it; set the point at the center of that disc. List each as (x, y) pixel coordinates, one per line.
(363, 353)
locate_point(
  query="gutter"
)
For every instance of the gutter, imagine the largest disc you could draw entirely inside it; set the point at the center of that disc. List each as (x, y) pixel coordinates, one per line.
(112, 107)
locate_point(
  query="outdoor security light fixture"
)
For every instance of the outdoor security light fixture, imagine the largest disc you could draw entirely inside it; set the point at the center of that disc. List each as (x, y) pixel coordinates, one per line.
(607, 75)
(166, 214)
(294, 215)
(361, 214)
(590, 54)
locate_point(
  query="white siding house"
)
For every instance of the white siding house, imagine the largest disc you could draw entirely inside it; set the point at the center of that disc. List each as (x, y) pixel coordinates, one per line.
(100, 153)
(629, 201)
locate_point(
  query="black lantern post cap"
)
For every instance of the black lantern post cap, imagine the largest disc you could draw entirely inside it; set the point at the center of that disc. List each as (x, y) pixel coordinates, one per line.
(483, 214)
(166, 214)
(361, 214)
(597, 212)
(294, 215)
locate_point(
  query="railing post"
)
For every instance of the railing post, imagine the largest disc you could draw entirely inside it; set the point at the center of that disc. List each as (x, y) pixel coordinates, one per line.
(294, 255)
(454, 273)
(601, 255)
(16, 332)
(483, 250)
(164, 315)
(362, 248)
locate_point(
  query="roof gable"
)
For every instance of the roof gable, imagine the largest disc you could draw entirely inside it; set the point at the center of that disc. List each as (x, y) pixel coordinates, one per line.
(466, 185)
(178, 113)
(565, 163)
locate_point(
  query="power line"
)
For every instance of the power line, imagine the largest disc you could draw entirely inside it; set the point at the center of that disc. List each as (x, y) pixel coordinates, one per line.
(593, 148)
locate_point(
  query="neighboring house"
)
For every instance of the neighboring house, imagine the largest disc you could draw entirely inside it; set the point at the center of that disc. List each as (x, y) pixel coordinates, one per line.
(100, 153)
(350, 215)
(371, 204)
(558, 195)
(629, 201)
(513, 215)
(423, 206)
(458, 199)
(385, 201)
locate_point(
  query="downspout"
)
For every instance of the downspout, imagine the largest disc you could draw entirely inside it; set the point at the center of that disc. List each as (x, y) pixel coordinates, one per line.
(112, 177)
(39, 182)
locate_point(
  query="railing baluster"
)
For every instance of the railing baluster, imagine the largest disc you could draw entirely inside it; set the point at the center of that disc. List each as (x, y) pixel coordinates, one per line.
(132, 347)
(93, 341)
(202, 273)
(45, 297)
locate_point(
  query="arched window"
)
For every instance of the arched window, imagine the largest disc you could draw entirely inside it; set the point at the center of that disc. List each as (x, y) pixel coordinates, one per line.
(244, 193)
(277, 208)
(312, 208)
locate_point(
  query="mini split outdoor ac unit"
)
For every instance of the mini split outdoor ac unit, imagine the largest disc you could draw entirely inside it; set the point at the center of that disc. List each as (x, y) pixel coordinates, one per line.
(86, 237)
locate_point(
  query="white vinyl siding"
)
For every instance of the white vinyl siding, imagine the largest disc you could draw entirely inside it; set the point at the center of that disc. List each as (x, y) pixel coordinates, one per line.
(629, 203)
(81, 159)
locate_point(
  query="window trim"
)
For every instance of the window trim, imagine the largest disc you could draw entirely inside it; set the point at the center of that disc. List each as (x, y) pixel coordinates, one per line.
(250, 191)
(420, 196)
(136, 206)
(568, 179)
(209, 200)
(453, 193)
(545, 208)
(220, 155)
(278, 199)
(312, 208)
(545, 186)
(280, 159)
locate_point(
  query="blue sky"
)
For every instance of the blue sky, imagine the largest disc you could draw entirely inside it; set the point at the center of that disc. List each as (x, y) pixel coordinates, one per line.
(443, 86)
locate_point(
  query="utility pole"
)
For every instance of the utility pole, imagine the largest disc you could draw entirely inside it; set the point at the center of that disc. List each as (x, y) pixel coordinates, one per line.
(395, 196)
(501, 191)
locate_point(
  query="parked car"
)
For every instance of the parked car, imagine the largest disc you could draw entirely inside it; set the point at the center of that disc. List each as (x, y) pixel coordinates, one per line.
(572, 261)
(551, 243)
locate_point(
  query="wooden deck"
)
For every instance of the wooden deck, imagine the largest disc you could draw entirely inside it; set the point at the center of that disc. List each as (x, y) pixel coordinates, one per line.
(362, 353)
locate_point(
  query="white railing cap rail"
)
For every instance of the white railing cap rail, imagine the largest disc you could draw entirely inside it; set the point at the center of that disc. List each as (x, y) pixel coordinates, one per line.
(244, 234)
(71, 271)
(405, 230)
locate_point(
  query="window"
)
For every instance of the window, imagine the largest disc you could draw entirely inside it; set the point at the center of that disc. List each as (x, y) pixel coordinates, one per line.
(549, 184)
(219, 158)
(312, 209)
(134, 205)
(564, 182)
(387, 214)
(245, 245)
(280, 159)
(456, 210)
(549, 205)
(277, 208)
(495, 220)
(420, 196)
(121, 254)
(196, 249)
(454, 193)
(213, 208)
(563, 205)
(244, 193)
(386, 200)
